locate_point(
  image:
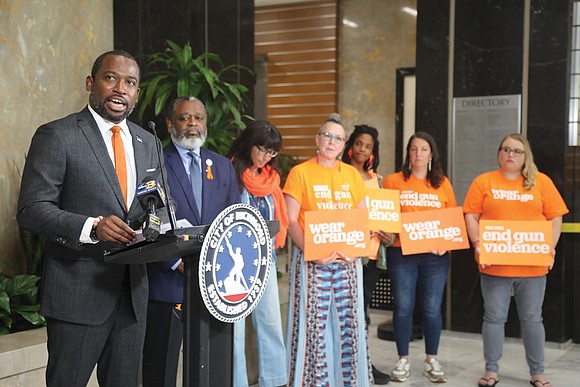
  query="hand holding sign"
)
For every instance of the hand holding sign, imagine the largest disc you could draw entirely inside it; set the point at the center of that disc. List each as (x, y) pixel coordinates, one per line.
(325, 261)
(343, 258)
(385, 238)
(336, 256)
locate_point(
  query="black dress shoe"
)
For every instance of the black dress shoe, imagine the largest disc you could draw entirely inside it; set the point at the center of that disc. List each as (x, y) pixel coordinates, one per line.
(380, 378)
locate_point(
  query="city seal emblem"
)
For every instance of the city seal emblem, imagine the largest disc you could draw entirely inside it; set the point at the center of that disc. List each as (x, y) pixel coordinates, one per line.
(235, 262)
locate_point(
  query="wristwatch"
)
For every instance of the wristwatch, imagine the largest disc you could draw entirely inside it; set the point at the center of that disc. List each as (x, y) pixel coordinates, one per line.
(93, 234)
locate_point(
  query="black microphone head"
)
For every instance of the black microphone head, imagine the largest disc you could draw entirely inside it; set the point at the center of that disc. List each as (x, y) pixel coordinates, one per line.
(163, 188)
(149, 190)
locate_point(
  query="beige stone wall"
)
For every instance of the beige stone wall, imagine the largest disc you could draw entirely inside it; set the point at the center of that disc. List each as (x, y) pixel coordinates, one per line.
(46, 50)
(369, 55)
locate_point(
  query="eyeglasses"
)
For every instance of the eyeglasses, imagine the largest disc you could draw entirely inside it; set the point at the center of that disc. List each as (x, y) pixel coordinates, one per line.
(517, 152)
(265, 152)
(329, 137)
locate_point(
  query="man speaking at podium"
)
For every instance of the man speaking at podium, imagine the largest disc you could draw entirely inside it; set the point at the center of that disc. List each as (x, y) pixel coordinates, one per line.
(78, 190)
(202, 183)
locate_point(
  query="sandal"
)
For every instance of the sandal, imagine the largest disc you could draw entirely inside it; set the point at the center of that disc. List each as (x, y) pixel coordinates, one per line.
(539, 383)
(487, 380)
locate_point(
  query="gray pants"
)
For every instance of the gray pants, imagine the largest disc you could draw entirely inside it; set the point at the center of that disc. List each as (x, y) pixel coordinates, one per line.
(529, 296)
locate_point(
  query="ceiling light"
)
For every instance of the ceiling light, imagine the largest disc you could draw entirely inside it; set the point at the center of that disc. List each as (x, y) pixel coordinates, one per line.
(349, 23)
(410, 11)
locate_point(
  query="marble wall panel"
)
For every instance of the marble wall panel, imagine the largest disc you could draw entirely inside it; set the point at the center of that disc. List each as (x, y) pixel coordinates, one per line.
(489, 59)
(376, 38)
(547, 133)
(46, 51)
(432, 71)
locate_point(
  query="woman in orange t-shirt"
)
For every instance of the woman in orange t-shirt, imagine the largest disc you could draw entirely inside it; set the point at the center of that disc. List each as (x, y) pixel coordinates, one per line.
(362, 152)
(422, 187)
(326, 334)
(517, 191)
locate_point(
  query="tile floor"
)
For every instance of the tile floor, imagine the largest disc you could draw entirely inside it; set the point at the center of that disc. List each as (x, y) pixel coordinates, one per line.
(461, 355)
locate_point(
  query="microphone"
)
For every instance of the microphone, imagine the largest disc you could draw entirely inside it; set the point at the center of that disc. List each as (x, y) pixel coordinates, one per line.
(151, 197)
(170, 208)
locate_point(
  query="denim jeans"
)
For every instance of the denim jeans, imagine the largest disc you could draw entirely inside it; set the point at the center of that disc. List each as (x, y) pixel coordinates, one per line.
(430, 271)
(271, 349)
(529, 296)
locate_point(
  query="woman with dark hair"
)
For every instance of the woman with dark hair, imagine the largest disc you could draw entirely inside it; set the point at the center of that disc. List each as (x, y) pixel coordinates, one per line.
(362, 152)
(423, 186)
(516, 191)
(253, 154)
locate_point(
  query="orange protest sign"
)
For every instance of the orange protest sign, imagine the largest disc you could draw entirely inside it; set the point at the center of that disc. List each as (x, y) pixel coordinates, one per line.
(515, 242)
(424, 231)
(384, 209)
(338, 230)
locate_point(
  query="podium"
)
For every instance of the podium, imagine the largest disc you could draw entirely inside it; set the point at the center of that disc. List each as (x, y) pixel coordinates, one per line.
(207, 342)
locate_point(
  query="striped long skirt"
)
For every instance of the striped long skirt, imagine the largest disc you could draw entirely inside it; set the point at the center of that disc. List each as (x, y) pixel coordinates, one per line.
(326, 337)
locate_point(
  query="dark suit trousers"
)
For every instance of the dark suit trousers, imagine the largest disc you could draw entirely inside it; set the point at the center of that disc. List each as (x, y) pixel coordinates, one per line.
(115, 345)
(162, 345)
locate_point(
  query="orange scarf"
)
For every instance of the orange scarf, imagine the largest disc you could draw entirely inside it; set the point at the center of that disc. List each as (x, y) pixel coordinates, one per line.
(268, 183)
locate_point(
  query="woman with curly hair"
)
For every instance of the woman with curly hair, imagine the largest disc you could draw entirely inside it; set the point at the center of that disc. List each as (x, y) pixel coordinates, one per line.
(362, 152)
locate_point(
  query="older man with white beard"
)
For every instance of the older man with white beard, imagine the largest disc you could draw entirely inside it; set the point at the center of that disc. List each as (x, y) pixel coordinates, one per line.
(202, 183)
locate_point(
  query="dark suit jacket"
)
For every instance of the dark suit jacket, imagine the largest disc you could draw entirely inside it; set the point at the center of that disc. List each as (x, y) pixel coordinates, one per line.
(68, 177)
(165, 284)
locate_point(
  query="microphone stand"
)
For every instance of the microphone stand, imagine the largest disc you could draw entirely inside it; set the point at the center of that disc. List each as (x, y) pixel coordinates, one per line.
(170, 210)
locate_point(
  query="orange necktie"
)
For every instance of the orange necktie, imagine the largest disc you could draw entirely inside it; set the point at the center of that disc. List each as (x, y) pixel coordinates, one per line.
(120, 162)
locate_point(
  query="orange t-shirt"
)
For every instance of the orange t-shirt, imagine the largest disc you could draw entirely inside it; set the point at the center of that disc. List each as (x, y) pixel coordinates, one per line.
(373, 182)
(494, 197)
(417, 195)
(319, 188)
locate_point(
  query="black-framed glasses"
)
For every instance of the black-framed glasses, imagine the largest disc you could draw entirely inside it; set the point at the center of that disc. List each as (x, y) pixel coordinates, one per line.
(265, 152)
(330, 137)
(517, 152)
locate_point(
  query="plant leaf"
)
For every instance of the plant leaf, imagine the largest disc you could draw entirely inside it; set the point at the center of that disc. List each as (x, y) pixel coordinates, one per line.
(32, 317)
(4, 301)
(182, 87)
(22, 284)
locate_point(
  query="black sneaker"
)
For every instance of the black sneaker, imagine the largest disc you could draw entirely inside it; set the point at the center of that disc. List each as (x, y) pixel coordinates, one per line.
(380, 377)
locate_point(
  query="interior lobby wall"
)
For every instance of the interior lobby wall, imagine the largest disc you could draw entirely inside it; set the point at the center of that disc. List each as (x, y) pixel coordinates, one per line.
(376, 37)
(502, 48)
(46, 50)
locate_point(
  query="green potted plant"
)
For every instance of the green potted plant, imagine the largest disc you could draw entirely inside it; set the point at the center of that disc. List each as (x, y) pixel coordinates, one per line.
(175, 73)
(18, 303)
